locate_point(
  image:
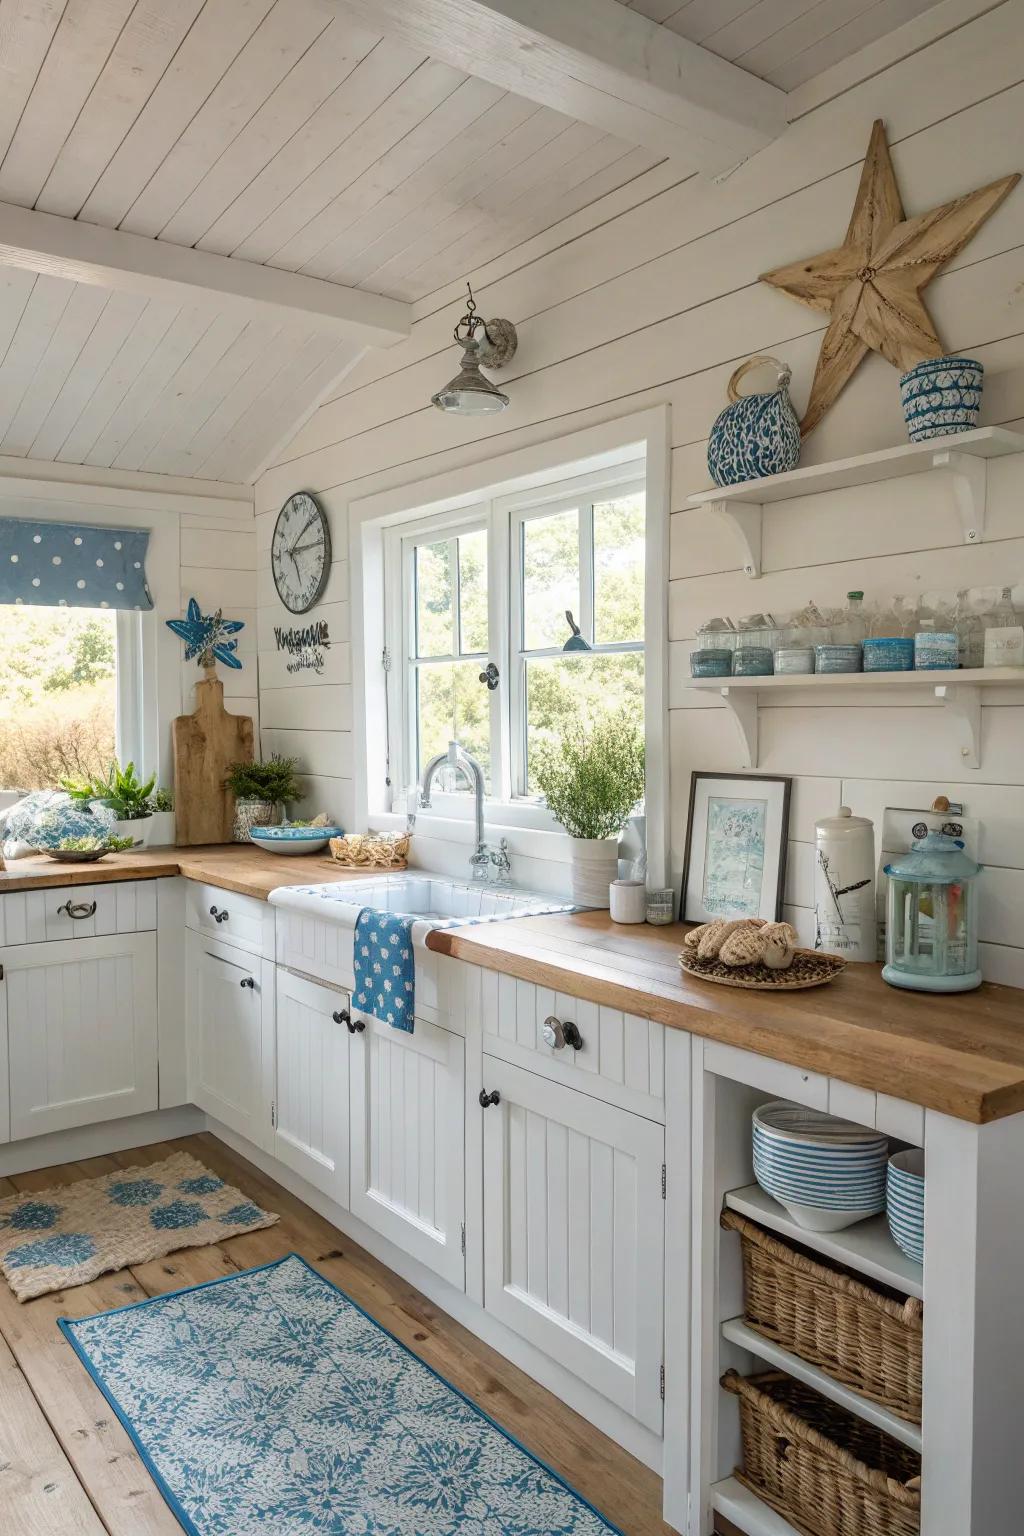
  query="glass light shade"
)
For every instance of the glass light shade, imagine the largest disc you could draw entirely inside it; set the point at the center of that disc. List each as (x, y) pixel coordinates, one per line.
(931, 937)
(469, 393)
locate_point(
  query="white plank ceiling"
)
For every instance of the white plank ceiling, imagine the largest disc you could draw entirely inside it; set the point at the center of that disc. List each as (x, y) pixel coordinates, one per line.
(283, 132)
(784, 41)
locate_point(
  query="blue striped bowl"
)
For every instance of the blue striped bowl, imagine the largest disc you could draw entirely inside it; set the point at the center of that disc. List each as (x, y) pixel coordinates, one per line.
(905, 1202)
(828, 1173)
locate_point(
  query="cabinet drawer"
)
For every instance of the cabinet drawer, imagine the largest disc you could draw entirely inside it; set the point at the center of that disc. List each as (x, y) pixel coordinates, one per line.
(243, 921)
(621, 1057)
(38, 917)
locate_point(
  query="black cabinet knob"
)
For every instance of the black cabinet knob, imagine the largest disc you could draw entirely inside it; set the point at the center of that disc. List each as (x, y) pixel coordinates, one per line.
(342, 1017)
(571, 1033)
(219, 917)
(487, 1099)
(247, 981)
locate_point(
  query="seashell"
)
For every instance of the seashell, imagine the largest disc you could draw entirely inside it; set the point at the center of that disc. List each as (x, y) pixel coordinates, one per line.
(744, 945)
(780, 944)
(693, 936)
(710, 946)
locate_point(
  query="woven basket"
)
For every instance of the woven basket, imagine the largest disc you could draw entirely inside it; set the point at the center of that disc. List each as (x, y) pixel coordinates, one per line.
(854, 1333)
(827, 1471)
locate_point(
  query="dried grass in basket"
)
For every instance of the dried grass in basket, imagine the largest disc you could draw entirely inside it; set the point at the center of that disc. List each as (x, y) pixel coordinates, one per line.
(363, 850)
(858, 1335)
(827, 1471)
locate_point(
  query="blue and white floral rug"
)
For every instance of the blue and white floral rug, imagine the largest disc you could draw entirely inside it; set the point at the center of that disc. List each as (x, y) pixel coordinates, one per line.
(267, 1401)
(70, 1234)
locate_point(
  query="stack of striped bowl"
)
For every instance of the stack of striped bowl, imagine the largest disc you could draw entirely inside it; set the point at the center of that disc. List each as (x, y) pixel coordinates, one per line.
(828, 1173)
(905, 1202)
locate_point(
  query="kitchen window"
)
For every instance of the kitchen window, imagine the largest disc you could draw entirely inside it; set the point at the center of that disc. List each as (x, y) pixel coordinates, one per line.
(69, 698)
(485, 593)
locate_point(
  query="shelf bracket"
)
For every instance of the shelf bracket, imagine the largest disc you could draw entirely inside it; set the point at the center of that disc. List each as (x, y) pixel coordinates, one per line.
(744, 519)
(742, 705)
(962, 701)
(970, 485)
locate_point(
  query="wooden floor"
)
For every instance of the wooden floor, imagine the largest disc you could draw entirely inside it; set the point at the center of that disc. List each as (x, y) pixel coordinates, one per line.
(67, 1468)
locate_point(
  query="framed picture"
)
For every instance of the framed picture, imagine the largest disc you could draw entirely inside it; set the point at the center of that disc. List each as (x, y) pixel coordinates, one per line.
(736, 838)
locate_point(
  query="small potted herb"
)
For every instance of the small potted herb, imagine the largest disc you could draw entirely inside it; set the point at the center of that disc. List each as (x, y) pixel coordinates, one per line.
(161, 804)
(261, 790)
(127, 796)
(593, 781)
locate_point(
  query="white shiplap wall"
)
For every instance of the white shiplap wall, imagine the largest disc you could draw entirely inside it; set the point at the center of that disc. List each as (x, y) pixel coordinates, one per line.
(651, 295)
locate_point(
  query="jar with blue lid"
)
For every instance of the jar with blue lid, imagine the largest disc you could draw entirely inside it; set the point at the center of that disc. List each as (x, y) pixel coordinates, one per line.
(931, 936)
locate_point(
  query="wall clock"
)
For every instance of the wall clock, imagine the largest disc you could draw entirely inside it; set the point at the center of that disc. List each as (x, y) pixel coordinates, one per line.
(300, 552)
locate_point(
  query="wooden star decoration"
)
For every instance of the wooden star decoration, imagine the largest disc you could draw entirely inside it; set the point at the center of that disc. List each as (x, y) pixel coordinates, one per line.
(871, 285)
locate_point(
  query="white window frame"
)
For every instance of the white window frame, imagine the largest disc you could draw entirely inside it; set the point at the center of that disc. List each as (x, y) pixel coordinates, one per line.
(524, 472)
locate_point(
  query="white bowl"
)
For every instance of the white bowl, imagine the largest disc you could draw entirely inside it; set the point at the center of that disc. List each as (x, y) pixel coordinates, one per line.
(813, 1219)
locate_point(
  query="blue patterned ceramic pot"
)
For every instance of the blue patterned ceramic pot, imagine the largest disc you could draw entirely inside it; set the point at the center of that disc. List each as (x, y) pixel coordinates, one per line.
(941, 395)
(837, 658)
(756, 434)
(936, 650)
(710, 663)
(889, 653)
(752, 661)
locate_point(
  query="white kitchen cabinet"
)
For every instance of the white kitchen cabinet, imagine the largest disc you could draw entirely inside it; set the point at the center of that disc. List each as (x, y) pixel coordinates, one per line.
(224, 1026)
(82, 1027)
(574, 1232)
(310, 1111)
(408, 1173)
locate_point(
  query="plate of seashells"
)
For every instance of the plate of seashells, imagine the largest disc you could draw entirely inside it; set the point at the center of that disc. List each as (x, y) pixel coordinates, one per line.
(750, 952)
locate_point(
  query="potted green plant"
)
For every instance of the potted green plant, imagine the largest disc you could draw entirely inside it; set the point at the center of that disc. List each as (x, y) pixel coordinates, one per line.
(127, 796)
(593, 780)
(161, 804)
(261, 790)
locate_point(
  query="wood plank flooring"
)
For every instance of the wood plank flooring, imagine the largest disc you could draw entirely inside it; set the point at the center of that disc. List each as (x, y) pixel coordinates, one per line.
(67, 1468)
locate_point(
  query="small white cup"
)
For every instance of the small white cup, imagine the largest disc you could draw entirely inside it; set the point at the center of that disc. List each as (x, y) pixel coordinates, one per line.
(627, 901)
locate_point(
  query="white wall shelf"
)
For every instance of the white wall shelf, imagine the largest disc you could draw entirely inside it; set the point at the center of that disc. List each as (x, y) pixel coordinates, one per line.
(962, 456)
(738, 1332)
(747, 1512)
(959, 693)
(867, 1247)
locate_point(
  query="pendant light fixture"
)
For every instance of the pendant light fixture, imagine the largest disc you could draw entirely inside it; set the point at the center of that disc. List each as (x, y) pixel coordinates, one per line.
(486, 344)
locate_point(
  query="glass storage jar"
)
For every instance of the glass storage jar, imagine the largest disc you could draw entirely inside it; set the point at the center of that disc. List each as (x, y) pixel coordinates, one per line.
(931, 927)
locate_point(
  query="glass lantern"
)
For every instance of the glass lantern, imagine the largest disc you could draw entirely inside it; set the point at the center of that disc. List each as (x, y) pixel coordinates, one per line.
(931, 939)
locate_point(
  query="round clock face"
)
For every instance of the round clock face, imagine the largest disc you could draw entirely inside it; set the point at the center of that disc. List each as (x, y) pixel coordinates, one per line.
(300, 552)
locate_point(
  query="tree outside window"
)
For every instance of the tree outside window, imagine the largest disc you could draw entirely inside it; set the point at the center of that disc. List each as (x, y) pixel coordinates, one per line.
(58, 694)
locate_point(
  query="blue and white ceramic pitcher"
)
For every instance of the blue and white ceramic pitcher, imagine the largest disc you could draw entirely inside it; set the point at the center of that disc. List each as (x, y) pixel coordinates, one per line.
(756, 434)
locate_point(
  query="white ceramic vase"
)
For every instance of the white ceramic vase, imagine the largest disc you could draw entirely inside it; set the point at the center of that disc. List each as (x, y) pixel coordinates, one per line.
(162, 830)
(595, 864)
(139, 829)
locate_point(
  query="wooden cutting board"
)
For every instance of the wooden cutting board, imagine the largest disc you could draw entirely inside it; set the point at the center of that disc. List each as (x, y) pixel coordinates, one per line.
(205, 744)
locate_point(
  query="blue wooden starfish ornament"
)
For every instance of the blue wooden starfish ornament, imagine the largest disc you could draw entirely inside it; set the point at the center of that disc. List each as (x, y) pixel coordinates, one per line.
(206, 636)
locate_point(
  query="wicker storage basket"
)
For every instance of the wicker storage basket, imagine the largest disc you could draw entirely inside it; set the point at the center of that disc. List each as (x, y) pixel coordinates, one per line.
(828, 1472)
(863, 1338)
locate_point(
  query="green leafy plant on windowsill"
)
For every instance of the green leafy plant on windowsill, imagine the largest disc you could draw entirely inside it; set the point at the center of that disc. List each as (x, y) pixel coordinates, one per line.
(122, 790)
(276, 780)
(161, 800)
(593, 780)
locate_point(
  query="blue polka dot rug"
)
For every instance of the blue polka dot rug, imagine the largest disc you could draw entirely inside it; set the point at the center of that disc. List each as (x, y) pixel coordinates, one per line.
(267, 1401)
(70, 1234)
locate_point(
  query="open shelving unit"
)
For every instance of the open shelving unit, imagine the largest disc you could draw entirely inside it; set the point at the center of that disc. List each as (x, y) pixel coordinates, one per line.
(746, 1511)
(959, 692)
(961, 456)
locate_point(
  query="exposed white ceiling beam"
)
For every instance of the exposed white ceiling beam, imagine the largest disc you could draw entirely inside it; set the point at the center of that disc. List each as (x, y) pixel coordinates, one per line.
(600, 62)
(112, 258)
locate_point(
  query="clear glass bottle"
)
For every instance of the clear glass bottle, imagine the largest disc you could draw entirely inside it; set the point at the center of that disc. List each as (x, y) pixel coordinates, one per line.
(969, 633)
(852, 626)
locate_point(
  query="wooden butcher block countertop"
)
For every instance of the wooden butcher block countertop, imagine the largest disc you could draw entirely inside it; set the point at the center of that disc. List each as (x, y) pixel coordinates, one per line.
(232, 866)
(962, 1053)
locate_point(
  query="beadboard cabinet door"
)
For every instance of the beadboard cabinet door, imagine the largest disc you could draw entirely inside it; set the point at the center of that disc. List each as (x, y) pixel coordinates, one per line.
(224, 1023)
(81, 1018)
(574, 1232)
(310, 1110)
(408, 1170)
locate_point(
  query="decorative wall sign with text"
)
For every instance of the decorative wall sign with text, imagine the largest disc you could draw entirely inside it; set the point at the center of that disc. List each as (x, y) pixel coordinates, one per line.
(305, 644)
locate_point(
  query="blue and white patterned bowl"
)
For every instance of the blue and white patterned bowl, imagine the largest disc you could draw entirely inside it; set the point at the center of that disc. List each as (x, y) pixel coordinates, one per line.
(828, 1173)
(941, 395)
(293, 840)
(905, 1202)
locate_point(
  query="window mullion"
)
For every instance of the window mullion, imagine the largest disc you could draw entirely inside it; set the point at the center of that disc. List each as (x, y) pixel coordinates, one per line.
(585, 617)
(453, 565)
(500, 618)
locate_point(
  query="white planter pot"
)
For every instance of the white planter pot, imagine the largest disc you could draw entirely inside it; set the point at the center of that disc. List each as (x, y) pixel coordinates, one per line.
(138, 830)
(162, 829)
(595, 864)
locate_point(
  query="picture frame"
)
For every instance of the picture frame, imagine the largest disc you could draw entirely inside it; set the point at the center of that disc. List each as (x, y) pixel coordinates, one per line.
(737, 834)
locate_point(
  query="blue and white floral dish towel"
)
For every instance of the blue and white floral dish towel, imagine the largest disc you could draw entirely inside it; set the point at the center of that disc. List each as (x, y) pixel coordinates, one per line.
(385, 971)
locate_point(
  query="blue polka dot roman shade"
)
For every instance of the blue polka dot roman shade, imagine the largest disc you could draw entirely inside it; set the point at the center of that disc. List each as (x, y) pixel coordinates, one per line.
(73, 565)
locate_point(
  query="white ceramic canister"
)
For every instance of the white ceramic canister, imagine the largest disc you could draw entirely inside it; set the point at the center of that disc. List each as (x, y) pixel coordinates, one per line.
(844, 886)
(628, 901)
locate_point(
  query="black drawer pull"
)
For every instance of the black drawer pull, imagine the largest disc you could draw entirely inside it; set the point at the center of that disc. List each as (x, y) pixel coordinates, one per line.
(219, 917)
(78, 909)
(487, 1099)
